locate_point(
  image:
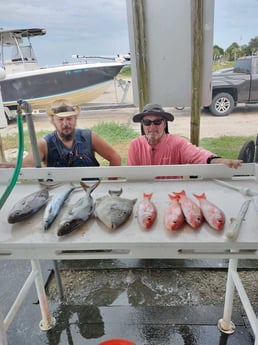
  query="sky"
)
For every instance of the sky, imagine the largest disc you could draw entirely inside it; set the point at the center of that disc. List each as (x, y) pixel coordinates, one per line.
(99, 27)
(235, 21)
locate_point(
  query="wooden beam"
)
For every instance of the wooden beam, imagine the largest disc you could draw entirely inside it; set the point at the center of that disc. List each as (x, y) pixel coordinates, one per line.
(197, 68)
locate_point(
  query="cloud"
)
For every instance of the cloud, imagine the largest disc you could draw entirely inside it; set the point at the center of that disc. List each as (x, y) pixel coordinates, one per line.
(85, 27)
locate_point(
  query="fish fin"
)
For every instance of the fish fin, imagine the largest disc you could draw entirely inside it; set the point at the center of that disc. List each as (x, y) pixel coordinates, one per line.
(49, 184)
(115, 192)
(201, 196)
(85, 186)
(50, 197)
(147, 195)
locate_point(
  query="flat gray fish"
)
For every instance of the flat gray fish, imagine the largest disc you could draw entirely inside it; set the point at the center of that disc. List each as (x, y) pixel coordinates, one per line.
(28, 206)
(54, 205)
(112, 210)
(78, 213)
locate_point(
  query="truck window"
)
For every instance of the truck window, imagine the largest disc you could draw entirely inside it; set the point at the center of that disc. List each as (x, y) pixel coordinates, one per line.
(243, 66)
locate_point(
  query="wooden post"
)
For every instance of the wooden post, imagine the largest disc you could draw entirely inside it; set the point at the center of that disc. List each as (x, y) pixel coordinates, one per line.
(197, 67)
(2, 155)
(141, 51)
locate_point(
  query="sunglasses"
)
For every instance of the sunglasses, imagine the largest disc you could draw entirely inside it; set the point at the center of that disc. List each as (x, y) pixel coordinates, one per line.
(148, 122)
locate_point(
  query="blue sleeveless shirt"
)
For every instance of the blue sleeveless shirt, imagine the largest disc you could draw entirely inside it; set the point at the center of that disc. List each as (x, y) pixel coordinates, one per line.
(80, 155)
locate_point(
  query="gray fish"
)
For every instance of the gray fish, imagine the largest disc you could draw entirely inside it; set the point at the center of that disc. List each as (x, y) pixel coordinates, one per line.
(54, 205)
(112, 210)
(78, 213)
(28, 206)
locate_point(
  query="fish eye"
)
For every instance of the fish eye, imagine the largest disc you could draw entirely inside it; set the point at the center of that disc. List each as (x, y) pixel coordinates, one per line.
(122, 213)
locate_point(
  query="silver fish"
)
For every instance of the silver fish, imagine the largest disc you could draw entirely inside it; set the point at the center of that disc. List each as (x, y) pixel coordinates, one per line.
(28, 206)
(54, 205)
(112, 210)
(78, 213)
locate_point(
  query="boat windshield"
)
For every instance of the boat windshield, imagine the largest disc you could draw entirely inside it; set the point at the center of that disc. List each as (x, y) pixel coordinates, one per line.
(23, 53)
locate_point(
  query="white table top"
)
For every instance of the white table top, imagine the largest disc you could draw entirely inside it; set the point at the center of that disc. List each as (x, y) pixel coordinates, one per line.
(28, 240)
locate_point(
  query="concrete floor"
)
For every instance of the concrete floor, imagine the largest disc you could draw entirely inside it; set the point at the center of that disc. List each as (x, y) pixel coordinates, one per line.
(92, 324)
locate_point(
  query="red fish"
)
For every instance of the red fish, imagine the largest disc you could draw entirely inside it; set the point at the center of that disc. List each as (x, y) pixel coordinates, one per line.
(146, 212)
(174, 217)
(212, 214)
(192, 212)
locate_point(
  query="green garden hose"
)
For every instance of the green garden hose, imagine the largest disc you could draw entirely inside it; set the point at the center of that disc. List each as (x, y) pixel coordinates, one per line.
(18, 162)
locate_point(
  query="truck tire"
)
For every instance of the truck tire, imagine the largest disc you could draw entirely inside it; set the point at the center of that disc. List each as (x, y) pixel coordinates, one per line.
(222, 104)
(247, 151)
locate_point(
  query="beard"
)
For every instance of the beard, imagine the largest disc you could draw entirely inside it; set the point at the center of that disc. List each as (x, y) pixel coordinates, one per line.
(153, 137)
(66, 137)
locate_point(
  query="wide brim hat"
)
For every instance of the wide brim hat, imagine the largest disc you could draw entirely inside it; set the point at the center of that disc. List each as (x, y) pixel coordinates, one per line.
(153, 109)
(63, 108)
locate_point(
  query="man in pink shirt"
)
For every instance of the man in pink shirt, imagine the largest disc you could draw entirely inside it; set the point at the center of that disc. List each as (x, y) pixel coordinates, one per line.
(157, 147)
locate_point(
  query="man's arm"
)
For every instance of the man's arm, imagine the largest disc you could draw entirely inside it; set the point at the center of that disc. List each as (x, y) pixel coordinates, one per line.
(28, 160)
(231, 163)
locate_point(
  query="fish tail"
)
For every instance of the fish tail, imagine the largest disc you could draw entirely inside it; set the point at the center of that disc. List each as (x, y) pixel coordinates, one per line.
(201, 196)
(173, 196)
(179, 194)
(147, 195)
(86, 187)
(45, 226)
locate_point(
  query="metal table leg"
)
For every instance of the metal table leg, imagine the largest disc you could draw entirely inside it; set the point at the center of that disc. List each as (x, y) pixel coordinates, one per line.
(3, 340)
(225, 324)
(58, 280)
(47, 321)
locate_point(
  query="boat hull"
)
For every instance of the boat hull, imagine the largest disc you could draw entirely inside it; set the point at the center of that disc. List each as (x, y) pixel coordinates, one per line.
(79, 84)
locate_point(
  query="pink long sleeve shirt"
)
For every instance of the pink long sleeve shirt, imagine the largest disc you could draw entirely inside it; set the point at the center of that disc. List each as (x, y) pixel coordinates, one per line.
(172, 149)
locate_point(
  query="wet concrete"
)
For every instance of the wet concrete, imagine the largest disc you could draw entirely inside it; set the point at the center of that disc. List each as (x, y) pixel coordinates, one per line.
(91, 323)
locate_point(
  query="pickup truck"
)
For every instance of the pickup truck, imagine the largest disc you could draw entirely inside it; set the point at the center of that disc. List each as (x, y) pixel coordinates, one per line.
(234, 85)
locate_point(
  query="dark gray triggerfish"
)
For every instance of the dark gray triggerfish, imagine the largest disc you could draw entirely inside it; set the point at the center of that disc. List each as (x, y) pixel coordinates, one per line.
(28, 206)
(78, 213)
(112, 210)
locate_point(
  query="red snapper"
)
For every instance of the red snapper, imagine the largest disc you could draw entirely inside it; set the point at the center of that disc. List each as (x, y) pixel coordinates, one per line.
(192, 212)
(146, 212)
(212, 214)
(174, 217)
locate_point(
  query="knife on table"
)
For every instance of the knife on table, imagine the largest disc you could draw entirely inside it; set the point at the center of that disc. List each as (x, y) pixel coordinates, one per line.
(235, 223)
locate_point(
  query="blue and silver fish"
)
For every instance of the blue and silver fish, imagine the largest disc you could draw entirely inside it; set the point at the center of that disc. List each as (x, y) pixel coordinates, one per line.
(78, 213)
(54, 205)
(28, 206)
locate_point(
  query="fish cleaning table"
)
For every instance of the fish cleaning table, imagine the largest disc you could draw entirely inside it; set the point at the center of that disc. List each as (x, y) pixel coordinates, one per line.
(28, 240)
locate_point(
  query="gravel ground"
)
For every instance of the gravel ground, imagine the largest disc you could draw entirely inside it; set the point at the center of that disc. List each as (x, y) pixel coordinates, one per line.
(150, 287)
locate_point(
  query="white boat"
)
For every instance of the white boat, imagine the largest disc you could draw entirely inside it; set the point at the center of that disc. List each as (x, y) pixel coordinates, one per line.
(25, 80)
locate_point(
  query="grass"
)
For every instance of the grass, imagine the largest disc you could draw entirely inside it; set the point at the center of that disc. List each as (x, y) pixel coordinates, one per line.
(225, 146)
(126, 70)
(221, 65)
(119, 136)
